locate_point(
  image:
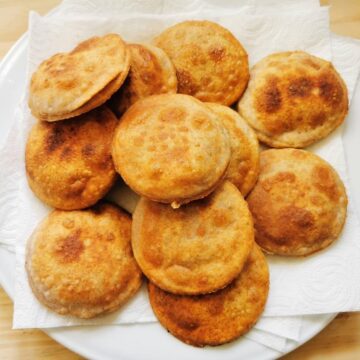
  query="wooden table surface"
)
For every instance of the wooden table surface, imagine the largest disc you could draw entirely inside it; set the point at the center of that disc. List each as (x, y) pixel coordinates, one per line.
(339, 340)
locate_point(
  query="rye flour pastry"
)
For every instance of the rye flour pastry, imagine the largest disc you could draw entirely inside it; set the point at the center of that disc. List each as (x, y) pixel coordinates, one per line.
(80, 263)
(171, 148)
(243, 169)
(220, 317)
(68, 163)
(198, 248)
(210, 62)
(294, 99)
(298, 204)
(151, 73)
(70, 84)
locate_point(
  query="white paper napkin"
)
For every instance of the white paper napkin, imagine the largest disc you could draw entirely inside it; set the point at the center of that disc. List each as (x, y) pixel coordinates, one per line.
(269, 340)
(307, 31)
(160, 7)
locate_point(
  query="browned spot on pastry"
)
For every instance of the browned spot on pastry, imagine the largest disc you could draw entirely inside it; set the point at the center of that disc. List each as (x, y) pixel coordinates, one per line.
(106, 163)
(299, 217)
(176, 153)
(88, 150)
(184, 322)
(201, 230)
(318, 119)
(324, 182)
(186, 83)
(153, 253)
(217, 306)
(220, 218)
(55, 139)
(285, 177)
(172, 114)
(293, 224)
(269, 98)
(68, 84)
(110, 237)
(156, 174)
(281, 177)
(316, 200)
(70, 248)
(300, 87)
(65, 153)
(299, 154)
(59, 68)
(217, 54)
(330, 89)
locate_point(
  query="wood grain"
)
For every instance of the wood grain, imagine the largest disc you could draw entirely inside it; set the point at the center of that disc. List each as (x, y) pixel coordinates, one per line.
(339, 341)
(26, 344)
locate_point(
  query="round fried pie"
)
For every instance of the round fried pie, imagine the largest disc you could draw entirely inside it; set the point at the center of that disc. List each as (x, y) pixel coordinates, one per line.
(198, 248)
(171, 148)
(68, 163)
(210, 62)
(294, 99)
(70, 84)
(298, 204)
(151, 73)
(220, 317)
(243, 168)
(80, 263)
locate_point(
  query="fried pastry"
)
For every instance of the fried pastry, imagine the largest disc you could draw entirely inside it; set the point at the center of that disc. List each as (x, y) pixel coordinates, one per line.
(70, 84)
(298, 204)
(294, 99)
(68, 163)
(80, 263)
(210, 62)
(198, 248)
(171, 148)
(220, 317)
(151, 73)
(243, 168)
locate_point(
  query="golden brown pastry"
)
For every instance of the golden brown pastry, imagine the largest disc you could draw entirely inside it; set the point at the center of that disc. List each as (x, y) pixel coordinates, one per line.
(151, 73)
(210, 62)
(298, 204)
(198, 248)
(171, 148)
(243, 168)
(68, 163)
(70, 84)
(220, 317)
(80, 263)
(294, 99)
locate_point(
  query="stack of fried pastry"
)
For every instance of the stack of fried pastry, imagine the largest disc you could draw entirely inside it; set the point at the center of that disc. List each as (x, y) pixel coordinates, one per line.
(173, 139)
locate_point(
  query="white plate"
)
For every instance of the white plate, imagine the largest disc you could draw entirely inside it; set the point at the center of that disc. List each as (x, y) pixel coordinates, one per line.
(148, 341)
